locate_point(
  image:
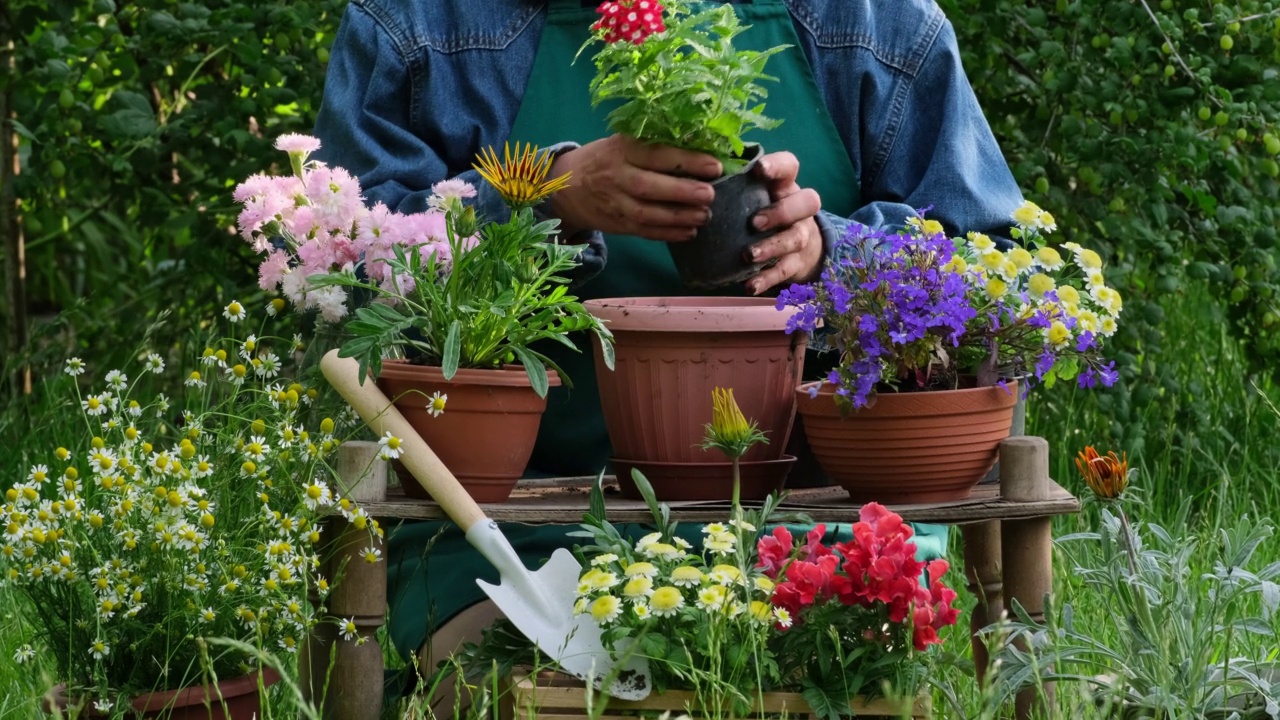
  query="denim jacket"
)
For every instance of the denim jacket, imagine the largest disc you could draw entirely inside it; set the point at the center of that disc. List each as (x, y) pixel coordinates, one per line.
(416, 87)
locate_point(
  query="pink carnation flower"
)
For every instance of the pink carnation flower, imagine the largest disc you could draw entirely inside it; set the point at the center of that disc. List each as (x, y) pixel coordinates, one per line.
(335, 194)
(272, 270)
(297, 143)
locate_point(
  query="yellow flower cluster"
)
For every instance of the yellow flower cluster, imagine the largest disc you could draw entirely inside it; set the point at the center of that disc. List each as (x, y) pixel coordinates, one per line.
(204, 524)
(662, 578)
(1036, 279)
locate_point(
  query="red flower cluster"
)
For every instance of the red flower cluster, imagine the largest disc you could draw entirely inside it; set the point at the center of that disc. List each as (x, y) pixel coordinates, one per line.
(631, 20)
(878, 567)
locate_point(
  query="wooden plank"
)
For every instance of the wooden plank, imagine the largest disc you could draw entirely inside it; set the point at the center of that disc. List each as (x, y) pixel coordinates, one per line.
(564, 500)
(552, 696)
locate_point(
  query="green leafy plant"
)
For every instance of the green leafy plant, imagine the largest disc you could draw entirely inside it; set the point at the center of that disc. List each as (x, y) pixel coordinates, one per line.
(1150, 656)
(440, 287)
(160, 522)
(678, 78)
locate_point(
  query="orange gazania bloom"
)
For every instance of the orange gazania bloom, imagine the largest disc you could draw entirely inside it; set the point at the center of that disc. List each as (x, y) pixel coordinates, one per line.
(1107, 476)
(520, 178)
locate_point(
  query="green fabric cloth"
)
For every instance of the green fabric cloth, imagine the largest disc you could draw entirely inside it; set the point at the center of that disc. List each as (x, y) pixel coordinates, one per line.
(432, 569)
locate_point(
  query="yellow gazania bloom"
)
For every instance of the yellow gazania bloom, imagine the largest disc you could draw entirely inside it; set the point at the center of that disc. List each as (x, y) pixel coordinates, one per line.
(521, 179)
(1021, 258)
(996, 288)
(1068, 295)
(1088, 259)
(1107, 476)
(1039, 284)
(1028, 215)
(727, 420)
(980, 242)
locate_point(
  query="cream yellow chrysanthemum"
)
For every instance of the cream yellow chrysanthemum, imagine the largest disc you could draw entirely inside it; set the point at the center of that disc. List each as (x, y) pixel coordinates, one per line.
(1039, 284)
(1049, 259)
(711, 597)
(1028, 215)
(1021, 258)
(605, 609)
(956, 265)
(996, 288)
(637, 587)
(981, 243)
(761, 611)
(686, 576)
(764, 585)
(666, 601)
(992, 260)
(1088, 259)
(725, 574)
(1058, 334)
(640, 568)
(1109, 299)
(1068, 295)
(1107, 327)
(1087, 321)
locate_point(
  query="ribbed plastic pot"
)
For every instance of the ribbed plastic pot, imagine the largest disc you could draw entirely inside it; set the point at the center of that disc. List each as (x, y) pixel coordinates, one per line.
(671, 352)
(231, 699)
(704, 481)
(918, 447)
(715, 257)
(487, 431)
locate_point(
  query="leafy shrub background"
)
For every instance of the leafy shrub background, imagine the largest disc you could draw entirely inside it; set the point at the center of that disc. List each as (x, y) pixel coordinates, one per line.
(1147, 127)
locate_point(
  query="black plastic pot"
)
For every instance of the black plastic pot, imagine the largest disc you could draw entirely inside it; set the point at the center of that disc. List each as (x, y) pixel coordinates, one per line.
(717, 255)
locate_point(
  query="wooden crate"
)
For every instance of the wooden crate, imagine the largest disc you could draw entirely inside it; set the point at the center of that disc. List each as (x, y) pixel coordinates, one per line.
(551, 696)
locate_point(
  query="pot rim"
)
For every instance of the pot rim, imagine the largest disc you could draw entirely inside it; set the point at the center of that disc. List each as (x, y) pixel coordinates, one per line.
(751, 164)
(180, 697)
(827, 390)
(784, 460)
(507, 376)
(690, 314)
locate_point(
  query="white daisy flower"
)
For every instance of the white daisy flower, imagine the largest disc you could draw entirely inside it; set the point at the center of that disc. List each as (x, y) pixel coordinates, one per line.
(234, 311)
(348, 629)
(371, 555)
(155, 363)
(75, 366)
(117, 380)
(24, 654)
(99, 650)
(95, 405)
(436, 403)
(391, 446)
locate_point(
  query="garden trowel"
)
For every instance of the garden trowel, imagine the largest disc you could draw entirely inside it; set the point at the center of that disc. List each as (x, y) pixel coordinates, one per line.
(539, 604)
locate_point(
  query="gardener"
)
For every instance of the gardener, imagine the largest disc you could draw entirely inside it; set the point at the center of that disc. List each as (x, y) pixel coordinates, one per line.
(878, 119)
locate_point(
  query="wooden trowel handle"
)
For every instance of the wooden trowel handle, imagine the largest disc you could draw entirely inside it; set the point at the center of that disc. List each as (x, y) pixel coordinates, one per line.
(371, 404)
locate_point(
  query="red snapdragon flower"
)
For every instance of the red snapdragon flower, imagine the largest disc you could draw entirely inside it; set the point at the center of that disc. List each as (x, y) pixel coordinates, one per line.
(775, 550)
(630, 20)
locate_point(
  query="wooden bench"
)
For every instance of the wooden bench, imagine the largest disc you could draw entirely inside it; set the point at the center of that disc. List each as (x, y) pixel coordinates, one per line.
(1005, 526)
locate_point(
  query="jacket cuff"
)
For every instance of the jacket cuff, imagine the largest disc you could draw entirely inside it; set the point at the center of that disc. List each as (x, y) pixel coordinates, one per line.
(592, 259)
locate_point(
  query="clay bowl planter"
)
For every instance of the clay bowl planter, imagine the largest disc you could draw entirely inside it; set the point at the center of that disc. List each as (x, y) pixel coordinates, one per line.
(485, 434)
(231, 699)
(704, 481)
(671, 352)
(918, 447)
(715, 256)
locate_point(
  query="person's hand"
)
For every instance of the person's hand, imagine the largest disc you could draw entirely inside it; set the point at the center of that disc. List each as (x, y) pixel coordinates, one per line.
(798, 244)
(622, 186)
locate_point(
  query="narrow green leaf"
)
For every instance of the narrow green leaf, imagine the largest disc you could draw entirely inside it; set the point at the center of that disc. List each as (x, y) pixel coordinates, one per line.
(536, 371)
(452, 350)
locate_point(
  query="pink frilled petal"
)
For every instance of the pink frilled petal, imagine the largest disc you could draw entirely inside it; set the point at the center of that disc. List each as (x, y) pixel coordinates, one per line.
(377, 227)
(335, 195)
(297, 143)
(255, 185)
(316, 255)
(272, 270)
(454, 188)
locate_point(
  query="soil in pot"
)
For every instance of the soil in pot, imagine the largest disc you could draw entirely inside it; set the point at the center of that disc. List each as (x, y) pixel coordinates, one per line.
(917, 447)
(671, 352)
(231, 699)
(487, 430)
(704, 481)
(716, 256)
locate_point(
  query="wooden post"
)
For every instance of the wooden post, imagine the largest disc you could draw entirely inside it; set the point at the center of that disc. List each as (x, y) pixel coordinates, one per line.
(359, 591)
(12, 245)
(1027, 545)
(985, 582)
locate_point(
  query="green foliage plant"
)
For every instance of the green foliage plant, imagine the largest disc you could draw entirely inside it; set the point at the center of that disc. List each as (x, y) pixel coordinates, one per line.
(441, 287)
(152, 524)
(1172, 644)
(677, 79)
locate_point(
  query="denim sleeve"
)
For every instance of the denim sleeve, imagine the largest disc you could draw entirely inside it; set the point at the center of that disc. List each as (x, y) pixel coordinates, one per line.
(365, 126)
(934, 148)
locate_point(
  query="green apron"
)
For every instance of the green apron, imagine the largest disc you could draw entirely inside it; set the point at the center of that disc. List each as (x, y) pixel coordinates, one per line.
(572, 441)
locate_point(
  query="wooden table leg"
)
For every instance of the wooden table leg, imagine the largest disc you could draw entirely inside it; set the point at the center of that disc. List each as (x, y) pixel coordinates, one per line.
(1027, 545)
(982, 557)
(359, 592)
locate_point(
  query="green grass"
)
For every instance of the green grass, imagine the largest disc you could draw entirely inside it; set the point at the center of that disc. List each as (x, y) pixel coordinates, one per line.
(1211, 443)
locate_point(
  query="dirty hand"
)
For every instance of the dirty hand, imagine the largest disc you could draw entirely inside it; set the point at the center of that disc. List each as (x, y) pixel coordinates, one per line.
(622, 186)
(798, 244)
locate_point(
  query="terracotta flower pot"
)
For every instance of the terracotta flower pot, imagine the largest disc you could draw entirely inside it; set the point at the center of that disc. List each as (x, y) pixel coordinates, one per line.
(238, 696)
(715, 256)
(485, 434)
(917, 447)
(672, 352)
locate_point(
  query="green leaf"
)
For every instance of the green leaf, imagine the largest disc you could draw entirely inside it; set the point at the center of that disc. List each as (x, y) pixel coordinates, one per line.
(533, 366)
(452, 350)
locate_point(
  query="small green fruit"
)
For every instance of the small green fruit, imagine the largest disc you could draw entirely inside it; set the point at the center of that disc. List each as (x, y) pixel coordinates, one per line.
(66, 99)
(1242, 134)
(1042, 185)
(1169, 70)
(1272, 143)
(57, 169)
(1222, 118)
(1233, 27)
(1226, 43)
(323, 55)
(1204, 113)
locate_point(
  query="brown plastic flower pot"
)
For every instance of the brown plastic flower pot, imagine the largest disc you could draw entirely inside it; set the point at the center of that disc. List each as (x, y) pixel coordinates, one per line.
(487, 430)
(674, 482)
(716, 256)
(671, 352)
(231, 699)
(914, 447)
